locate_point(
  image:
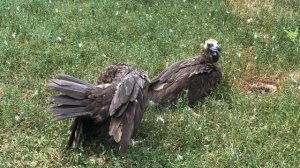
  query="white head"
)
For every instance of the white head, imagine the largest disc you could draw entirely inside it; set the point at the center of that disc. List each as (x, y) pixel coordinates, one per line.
(211, 44)
(213, 47)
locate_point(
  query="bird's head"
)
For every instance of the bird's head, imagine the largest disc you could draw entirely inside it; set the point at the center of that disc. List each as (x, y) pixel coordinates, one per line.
(212, 46)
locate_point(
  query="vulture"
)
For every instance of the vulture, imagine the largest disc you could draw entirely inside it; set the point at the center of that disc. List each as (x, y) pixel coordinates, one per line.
(198, 75)
(114, 107)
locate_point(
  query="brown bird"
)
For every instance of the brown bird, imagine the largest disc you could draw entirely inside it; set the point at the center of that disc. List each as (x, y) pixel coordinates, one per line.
(115, 107)
(198, 75)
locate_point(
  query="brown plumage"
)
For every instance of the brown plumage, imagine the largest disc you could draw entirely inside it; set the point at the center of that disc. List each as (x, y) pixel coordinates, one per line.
(114, 107)
(198, 75)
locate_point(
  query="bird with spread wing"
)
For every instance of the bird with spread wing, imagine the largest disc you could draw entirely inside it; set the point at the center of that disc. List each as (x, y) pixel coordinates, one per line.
(114, 107)
(198, 75)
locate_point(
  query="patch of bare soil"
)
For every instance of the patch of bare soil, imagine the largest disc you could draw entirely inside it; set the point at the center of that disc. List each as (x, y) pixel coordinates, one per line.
(262, 85)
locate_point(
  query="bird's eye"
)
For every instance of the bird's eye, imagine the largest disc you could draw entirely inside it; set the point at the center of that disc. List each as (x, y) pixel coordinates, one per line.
(209, 45)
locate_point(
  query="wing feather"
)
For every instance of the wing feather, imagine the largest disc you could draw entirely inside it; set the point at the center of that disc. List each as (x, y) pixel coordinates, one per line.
(180, 70)
(126, 114)
(127, 128)
(126, 91)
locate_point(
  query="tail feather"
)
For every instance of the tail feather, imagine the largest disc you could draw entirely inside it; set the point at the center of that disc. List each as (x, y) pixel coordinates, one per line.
(72, 79)
(67, 109)
(66, 100)
(76, 130)
(74, 102)
(70, 115)
(70, 89)
(76, 86)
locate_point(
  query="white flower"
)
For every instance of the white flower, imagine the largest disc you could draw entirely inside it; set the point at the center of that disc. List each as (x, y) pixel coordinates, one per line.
(18, 8)
(56, 10)
(104, 55)
(117, 13)
(17, 118)
(171, 30)
(59, 39)
(273, 37)
(182, 45)
(126, 11)
(36, 92)
(136, 142)
(179, 157)
(5, 42)
(249, 20)
(256, 35)
(183, 0)
(14, 35)
(33, 163)
(80, 45)
(159, 118)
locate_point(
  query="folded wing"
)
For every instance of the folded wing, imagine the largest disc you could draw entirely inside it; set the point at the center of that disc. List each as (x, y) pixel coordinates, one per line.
(127, 108)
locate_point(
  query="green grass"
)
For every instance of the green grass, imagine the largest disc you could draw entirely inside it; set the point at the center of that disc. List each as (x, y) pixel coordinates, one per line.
(231, 128)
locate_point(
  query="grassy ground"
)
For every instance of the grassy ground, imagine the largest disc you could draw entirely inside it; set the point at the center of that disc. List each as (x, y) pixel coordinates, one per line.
(231, 128)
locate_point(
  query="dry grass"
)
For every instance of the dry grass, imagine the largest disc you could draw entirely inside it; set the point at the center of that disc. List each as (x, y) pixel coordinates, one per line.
(251, 8)
(251, 80)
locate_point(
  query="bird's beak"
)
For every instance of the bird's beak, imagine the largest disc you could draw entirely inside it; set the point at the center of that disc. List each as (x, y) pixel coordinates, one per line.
(215, 50)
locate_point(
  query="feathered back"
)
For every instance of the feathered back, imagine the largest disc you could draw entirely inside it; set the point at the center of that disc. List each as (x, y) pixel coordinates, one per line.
(114, 73)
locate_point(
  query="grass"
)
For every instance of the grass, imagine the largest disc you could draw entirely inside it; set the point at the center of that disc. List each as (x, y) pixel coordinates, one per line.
(231, 128)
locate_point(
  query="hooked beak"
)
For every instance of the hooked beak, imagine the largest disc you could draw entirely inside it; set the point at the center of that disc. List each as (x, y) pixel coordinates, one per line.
(215, 50)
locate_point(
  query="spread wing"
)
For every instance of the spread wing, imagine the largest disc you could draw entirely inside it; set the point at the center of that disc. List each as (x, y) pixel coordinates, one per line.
(127, 108)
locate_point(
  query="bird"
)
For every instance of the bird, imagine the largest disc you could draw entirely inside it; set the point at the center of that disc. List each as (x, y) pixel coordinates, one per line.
(198, 76)
(114, 107)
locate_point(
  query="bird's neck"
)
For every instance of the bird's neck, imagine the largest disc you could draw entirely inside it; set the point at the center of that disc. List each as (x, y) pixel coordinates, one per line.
(204, 57)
